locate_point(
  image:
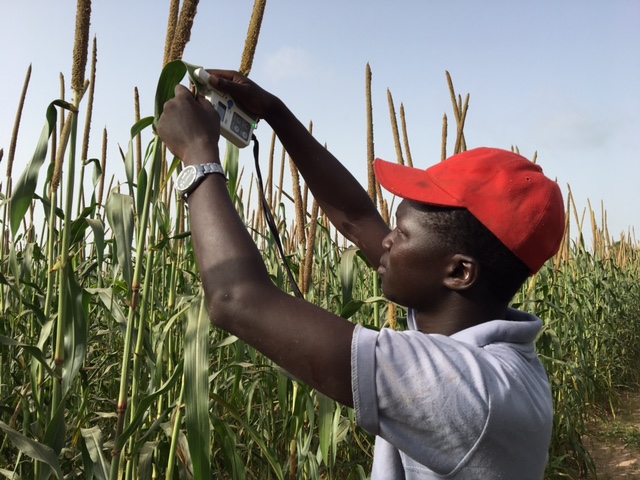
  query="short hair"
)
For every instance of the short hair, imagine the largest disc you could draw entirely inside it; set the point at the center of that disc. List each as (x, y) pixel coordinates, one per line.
(503, 272)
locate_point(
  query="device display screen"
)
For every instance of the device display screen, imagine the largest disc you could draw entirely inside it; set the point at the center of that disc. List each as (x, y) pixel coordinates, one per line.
(222, 110)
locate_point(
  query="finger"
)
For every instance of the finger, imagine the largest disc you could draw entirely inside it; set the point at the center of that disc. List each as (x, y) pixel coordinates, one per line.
(181, 90)
(230, 75)
(203, 101)
(207, 106)
(227, 81)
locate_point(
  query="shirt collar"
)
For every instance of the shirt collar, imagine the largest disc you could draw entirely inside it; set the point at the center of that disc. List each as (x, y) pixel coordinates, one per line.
(516, 327)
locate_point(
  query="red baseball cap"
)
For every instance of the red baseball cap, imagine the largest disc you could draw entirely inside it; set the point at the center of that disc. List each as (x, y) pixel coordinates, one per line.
(506, 192)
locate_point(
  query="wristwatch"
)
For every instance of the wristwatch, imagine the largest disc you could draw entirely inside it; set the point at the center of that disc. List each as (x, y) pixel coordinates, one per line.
(190, 177)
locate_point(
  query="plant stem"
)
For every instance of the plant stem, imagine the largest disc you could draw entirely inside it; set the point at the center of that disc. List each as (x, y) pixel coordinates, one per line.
(140, 248)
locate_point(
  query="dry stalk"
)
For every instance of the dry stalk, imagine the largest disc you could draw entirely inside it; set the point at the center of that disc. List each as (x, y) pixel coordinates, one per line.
(261, 223)
(452, 92)
(605, 227)
(308, 258)
(297, 200)
(394, 128)
(281, 179)
(305, 197)
(61, 117)
(253, 33)
(16, 128)
(393, 316)
(136, 103)
(594, 230)
(62, 147)
(103, 166)
(293, 463)
(305, 194)
(174, 10)
(183, 29)
(461, 145)
(459, 114)
(564, 251)
(371, 186)
(384, 210)
(54, 140)
(251, 182)
(443, 148)
(81, 44)
(571, 201)
(405, 136)
(269, 185)
(92, 84)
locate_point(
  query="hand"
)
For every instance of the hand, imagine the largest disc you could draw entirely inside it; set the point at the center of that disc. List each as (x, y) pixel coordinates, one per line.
(190, 127)
(247, 93)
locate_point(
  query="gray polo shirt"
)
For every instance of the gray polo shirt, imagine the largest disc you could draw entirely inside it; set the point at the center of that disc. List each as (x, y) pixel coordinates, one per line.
(474, 405)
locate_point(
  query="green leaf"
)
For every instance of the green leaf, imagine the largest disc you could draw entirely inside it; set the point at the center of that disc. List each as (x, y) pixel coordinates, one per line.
(25, 187)
(347, 274)
(183, 456)
(351, 308)
(172, 74)
(257, 438)
(75, 334)
(142, 190)
(120, 216)
(93, 442)
(33, 449)
(34, 308)
(9, 474)
(32, 350)
(146, 467)
(144, 405)
(231, 168)
(196, 376)
(106, 296)
(230, 454)
(325, 422)
(97, 227)
(129, 162)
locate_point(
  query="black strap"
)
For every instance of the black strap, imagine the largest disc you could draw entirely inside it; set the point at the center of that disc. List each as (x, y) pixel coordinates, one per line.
(271, 222)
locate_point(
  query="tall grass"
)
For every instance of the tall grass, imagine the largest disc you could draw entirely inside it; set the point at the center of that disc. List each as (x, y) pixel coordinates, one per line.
(108, 366)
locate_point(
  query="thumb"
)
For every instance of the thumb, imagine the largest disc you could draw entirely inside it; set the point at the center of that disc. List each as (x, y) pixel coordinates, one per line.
(223, 84)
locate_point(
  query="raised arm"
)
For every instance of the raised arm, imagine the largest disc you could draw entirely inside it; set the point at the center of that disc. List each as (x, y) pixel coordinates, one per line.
(311, 343)
(338, 193)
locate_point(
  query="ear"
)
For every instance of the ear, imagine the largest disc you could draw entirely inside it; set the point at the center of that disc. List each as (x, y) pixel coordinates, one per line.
(462, 273)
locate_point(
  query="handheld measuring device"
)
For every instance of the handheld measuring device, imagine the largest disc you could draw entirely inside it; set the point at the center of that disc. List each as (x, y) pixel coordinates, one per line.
(236, 125)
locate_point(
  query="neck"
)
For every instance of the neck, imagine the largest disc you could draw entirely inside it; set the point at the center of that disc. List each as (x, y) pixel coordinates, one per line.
(458, 315)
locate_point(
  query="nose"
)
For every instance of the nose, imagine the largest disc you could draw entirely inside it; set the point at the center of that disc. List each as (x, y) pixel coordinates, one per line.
(387, 242)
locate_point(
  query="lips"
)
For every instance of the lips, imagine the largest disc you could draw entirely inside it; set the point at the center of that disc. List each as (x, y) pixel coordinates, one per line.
(382, 268)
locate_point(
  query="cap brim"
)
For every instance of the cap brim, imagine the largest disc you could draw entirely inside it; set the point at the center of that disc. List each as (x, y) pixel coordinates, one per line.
(412, 184)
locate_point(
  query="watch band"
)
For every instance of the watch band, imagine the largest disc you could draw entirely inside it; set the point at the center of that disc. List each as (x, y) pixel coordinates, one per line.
(208, 168)
(192, 175)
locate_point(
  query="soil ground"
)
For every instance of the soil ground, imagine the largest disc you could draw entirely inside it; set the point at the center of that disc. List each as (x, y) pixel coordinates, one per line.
(614, 442)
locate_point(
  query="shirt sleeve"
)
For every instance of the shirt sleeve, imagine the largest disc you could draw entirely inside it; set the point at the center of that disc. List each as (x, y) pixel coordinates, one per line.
(424, 394)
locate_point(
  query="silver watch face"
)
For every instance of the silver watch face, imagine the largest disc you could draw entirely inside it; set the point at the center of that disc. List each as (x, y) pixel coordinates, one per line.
(186, 179)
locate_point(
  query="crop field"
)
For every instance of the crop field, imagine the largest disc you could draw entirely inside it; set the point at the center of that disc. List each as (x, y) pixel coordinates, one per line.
(109, 367)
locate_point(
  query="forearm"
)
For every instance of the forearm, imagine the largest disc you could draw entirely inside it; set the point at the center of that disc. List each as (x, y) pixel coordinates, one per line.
(308, 341)
(227, 256)
(341, 197)
(311, 343)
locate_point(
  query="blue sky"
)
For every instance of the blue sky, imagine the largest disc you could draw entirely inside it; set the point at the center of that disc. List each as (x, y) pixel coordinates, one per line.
(557, 77)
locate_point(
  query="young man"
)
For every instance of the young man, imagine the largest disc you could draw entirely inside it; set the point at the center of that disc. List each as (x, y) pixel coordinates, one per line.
(462, 394)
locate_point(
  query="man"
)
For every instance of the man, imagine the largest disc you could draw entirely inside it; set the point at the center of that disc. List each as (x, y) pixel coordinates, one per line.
(462, 394)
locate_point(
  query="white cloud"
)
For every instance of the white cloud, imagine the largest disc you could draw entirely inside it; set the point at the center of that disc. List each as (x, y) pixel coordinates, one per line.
(287, 63)
(574, 129)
